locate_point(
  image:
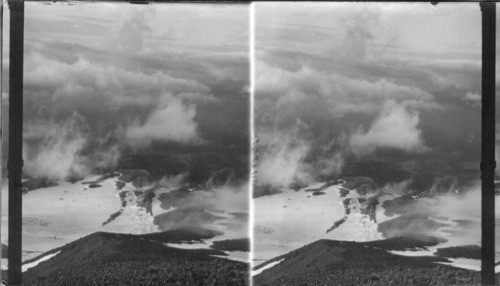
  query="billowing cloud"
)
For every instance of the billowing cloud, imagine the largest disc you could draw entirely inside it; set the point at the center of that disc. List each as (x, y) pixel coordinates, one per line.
(464, 207)
(135, 75)
(472, 97)
(330, 165)
(281, 159)
(106, 157)
(111, 85)
(395, 127)
(342, 94)
(63, 150)
(172, 120)
(58, 150)
(371, 91)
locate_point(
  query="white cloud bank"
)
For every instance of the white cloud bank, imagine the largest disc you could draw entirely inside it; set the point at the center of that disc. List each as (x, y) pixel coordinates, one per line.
(58, 155)
(473, 97)
(395, 127)
(171, 121)
(282, 157)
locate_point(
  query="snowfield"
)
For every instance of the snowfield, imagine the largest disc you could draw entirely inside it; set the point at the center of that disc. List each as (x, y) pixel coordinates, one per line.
(240, 256)
(58, 215)
(291, 219)
(228, 233)
(70, 211)
(35, 263)
(270, 265)
(466, 263)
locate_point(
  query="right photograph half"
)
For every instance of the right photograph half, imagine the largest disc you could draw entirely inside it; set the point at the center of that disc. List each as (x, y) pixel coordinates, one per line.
(367, 120)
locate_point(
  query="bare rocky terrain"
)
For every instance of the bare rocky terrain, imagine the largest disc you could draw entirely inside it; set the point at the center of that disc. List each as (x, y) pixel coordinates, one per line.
(328, 262)
(123, 259)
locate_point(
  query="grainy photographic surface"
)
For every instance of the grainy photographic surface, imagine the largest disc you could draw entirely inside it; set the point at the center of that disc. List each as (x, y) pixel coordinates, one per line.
(368, 142)
(136, 144)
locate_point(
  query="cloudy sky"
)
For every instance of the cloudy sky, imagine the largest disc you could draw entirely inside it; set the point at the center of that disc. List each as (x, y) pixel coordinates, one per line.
(102, 80)
(338, 83)
(335, 83)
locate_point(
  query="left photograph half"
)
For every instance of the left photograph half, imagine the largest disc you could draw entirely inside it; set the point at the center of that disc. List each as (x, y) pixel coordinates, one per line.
(136, 144)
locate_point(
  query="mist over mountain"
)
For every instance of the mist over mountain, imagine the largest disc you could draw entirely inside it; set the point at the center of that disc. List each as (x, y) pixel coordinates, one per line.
(158, 100)
(111, 258)
(345, 263)
(135, 144)
(368, 130)
(345, 96)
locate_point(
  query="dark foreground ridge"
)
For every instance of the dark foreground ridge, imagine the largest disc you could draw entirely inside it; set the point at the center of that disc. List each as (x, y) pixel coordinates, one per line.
(329, 262)
(464, 251)
(123, 259)
(239, 244)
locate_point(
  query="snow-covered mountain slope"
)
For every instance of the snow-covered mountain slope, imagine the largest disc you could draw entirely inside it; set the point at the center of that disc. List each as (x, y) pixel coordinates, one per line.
(330, 262)
(56, 215)
(136, 259)
(293, 218)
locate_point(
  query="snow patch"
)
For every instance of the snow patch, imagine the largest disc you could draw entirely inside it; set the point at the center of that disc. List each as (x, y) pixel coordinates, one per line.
(187, 245)
(240, 256)
(84, 209)
(309, 218)
(413, 252)
(466, 263)
(29, 265)
(267, 266)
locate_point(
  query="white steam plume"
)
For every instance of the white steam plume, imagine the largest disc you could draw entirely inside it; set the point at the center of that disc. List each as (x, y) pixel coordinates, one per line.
(57, 151)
